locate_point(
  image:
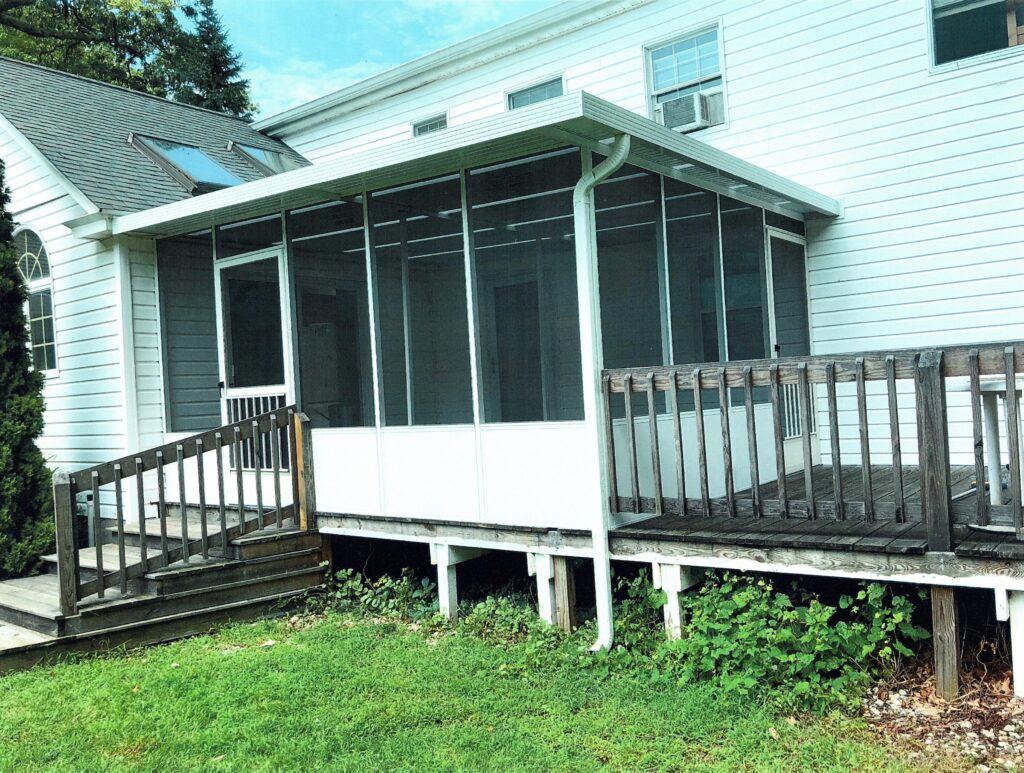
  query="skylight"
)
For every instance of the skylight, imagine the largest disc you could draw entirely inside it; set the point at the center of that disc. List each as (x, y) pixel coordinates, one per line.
(191, 166)
(268, 161)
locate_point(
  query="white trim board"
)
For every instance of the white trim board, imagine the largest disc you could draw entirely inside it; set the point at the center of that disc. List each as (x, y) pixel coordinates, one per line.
(576, 118)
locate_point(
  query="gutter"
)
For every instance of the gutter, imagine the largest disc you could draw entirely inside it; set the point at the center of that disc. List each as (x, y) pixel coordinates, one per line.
(588, 293)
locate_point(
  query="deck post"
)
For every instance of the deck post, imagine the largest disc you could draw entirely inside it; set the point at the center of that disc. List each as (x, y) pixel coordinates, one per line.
(673, 579)
(946, 640)
(446, 558)
(67, 549)
(1016, 613)
(564, 581)
(305, 515)
(540, 566)
(933, 442)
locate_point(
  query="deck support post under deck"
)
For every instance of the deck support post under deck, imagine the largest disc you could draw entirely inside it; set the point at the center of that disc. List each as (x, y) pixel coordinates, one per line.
(1017, 641)
(946, 640)
(446, 558)
(556, 589)
(674, 579)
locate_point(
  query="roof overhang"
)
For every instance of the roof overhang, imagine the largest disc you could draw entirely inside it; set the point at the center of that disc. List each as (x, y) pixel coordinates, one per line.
(574, 119)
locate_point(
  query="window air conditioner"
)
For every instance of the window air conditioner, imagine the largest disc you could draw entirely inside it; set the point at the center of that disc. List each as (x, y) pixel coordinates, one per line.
(686, 113)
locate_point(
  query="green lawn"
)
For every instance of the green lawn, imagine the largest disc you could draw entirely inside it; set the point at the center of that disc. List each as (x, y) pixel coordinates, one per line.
(338, 696)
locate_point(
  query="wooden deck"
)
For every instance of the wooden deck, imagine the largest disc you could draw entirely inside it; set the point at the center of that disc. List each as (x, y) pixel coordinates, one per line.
(882, 535)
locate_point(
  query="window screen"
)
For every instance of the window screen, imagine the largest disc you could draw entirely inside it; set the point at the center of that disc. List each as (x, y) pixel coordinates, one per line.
(964, 28)
(539, 93)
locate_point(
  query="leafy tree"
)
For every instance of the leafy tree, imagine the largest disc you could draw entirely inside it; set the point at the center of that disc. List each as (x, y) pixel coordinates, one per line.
(26, 509)
(171, 48)
(207, 71)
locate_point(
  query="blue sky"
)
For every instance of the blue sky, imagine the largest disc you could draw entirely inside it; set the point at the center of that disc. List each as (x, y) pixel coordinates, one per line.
(297, 50)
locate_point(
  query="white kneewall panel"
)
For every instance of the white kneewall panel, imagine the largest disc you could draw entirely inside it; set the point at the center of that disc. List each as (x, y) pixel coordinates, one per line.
(430, 472)
(347, 471)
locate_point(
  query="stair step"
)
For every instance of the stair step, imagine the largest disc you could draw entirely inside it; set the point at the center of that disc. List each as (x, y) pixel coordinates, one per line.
(32, 602)
(273, 542)
(184, 578)
(149, 607)
(87, 560)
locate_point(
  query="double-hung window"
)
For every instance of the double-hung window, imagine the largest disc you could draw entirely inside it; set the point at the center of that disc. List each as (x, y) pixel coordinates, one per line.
(689, 65)
(34, 267)
(965, 28)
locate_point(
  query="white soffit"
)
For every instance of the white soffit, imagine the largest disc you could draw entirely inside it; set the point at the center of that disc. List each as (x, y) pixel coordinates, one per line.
(577, 118)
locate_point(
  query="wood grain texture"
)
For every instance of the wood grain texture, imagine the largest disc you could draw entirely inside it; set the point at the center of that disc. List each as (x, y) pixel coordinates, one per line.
(946, 639)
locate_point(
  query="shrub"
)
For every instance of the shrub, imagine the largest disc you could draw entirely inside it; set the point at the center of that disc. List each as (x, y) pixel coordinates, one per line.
(26, 509)
(403, 598)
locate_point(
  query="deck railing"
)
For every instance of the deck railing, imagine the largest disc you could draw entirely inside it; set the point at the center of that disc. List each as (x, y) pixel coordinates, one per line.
(275, 445)
(839, 386)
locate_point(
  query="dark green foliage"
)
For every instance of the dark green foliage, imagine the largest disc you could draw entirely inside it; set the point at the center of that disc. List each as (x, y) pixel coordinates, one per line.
(26, 512)
(403, 598)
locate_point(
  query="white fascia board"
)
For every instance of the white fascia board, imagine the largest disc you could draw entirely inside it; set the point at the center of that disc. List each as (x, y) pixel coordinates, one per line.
(37, 155)
(95, 225)
(486, 47)
(576, 118)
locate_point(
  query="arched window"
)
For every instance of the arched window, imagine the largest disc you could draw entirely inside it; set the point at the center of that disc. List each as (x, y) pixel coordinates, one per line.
(34, 265)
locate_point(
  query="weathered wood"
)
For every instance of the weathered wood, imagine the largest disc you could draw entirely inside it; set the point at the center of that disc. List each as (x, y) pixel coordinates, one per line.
(723, 410)
(894, 438)
(609, 442)
(991, 362)
(304, 472)
(292, 456)
(204, 529)
(67, 545)
(702, 449)
(97, 532)
(222, 506)
(122, 563)
(755, 474)
(161, 505)
(83, 478)
(865, 441)
(946, 640)
(979, 443)
(833, 431)
(257, 463)
(677, 436)
(779, 435)
(565, 592)
(1013, 441)
(804, 396)
(182, 498)
(652, 423)
(634, 476)
(275, 465)
(140, 497)
(239, 478)
(934, 445)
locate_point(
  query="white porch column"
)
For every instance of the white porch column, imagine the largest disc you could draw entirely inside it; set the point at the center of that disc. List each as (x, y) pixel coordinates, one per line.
(540, 566)
(446, 558)
(1017, 641)
(674, 579)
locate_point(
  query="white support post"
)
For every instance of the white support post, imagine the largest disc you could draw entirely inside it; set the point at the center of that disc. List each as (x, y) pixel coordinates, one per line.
(674, 579)
(541, 566)
(1017, 641)
(1002, 604)
(446, 558)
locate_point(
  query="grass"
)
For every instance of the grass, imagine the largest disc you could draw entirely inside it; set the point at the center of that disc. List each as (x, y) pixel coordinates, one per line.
(338, 695)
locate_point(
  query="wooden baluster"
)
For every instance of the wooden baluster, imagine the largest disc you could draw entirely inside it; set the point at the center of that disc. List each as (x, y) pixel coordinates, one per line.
(204, 533)
(833, 431)
(122, 564)
(275, 464)
(702, 450)
(634, 476)
(97, 534)
(161, 504)
(239, 480)
(974, 370)
(652, 419)
(609, 444)
(804, 401)
(257, 460)
(755, 473)
(934, 449)
(291, 462)
(222, 512)
(677, 432)
(1013, 440)
(723, 410)
(186, 548)
(780, 453)
(140, 495)
(894, 434)
(865, 442)
(68, 575)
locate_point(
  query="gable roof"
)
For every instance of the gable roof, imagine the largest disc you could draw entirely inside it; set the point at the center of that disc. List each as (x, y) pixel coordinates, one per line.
(82, 126)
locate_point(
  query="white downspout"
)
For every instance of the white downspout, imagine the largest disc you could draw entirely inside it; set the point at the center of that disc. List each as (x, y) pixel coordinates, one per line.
(589, 302)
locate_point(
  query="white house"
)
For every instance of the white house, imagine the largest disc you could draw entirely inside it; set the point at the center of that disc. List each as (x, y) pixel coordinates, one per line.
(800, 215)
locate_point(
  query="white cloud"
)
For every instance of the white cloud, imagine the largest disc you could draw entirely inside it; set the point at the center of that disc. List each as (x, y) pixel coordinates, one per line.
(297, 81)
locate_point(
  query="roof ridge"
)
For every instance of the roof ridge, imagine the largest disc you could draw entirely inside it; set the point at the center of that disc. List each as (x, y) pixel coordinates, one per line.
(97, 82)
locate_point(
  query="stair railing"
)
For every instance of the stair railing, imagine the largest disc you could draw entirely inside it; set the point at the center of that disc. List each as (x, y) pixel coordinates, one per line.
(283, 435)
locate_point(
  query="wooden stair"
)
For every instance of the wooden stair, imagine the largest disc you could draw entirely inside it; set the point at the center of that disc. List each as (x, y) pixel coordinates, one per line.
(255, 569)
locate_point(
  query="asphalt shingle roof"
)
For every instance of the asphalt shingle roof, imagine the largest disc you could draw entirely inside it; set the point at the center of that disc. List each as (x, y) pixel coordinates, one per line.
(82, 126)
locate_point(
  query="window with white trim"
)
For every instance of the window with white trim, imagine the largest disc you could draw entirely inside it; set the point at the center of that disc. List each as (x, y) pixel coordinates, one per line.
(34, 267)
(689, 65)
(966, 28)
(534, 94)
(430, 125)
